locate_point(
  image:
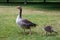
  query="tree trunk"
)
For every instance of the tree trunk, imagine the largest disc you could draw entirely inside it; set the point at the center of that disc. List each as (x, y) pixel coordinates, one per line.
(44, 1)
(7, 1)
(25, 1)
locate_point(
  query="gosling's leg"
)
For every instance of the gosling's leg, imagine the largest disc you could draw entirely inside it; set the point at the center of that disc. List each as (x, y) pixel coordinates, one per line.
(30, 31)
(24, 30)
(46, 33)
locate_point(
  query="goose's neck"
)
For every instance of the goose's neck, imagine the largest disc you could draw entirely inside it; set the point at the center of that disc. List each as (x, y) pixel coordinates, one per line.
(20, 13)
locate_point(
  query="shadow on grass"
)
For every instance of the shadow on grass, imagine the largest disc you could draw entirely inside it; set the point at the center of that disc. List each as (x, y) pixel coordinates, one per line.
(54, 34)
(27, 33)
(39, 6)
(47, 6)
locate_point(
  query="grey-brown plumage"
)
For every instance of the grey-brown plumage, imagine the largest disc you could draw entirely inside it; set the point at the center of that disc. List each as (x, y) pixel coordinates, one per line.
(27, 24)
(49, 29)
(24, 23)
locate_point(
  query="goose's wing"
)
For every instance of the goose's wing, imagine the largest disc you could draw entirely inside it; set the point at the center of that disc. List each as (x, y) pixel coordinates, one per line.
(28, 23)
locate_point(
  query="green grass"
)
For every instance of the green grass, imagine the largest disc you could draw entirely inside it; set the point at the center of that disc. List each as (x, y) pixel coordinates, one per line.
(9, 30)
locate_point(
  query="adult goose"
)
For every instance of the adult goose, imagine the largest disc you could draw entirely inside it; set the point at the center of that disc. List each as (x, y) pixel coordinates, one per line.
(24, 23)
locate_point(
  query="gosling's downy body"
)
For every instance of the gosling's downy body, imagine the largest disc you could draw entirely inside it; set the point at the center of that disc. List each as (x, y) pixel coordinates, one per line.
(49, 29)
